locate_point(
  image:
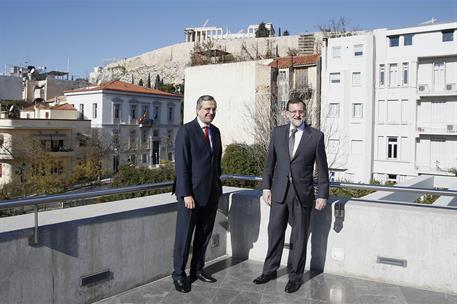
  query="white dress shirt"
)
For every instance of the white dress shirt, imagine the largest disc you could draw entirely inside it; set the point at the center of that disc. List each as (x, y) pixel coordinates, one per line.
(202, 126)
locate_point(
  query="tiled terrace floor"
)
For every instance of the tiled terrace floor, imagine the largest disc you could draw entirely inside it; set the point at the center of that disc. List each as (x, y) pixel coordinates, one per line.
(235, 286)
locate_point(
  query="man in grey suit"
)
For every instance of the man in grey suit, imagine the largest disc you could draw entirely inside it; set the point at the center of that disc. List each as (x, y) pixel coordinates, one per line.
(288, 189)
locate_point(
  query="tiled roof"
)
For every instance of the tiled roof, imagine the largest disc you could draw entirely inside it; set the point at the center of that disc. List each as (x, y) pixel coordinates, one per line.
(285, 62)
(121, 86)
(65, 106)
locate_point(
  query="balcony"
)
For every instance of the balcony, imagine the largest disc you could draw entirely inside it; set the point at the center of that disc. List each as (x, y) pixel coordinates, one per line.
(441, 129)
(364, 250)
(428, 90)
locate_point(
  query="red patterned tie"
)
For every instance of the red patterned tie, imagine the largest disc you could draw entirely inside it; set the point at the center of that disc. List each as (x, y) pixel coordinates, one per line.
(206, 134)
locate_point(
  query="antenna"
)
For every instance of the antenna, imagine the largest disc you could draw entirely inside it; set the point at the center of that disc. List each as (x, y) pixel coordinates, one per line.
(431, 21)
(206, 22)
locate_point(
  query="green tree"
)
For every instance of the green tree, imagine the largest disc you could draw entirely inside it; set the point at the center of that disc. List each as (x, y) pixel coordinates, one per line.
(157, 82)
(262, 31)
(149, 80)
(245, 160)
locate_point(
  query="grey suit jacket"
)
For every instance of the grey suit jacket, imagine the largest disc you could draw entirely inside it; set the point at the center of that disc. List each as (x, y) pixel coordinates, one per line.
(278, 165)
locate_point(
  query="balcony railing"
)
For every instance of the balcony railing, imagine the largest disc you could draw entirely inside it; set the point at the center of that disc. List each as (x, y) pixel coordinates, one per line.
(445, 129)
(47, 199)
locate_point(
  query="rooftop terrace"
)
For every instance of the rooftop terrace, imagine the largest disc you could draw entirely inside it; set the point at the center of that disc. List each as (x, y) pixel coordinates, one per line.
(367, 250)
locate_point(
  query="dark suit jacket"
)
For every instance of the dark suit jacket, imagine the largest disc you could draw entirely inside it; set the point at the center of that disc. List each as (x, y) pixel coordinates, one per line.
(198, 169)
(278, 164)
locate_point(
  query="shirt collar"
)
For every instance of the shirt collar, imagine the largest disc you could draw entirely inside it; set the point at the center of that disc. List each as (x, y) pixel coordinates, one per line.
(300, 128)
(202, 125)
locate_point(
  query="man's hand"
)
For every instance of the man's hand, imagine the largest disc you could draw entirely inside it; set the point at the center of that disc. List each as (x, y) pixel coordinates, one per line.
(321, 203)
(266, 196)
(189, 202)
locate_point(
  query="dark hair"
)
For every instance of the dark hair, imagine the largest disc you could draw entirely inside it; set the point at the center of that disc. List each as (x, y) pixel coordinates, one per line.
(203, 98)
(295, 100)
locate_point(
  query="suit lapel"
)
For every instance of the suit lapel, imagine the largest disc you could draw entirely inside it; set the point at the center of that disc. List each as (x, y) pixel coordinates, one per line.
(200, 134)
(304, 139)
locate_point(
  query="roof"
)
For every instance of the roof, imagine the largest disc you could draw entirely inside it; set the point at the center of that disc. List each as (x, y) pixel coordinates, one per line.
(285, 62)
(65, 106)
(121, 86)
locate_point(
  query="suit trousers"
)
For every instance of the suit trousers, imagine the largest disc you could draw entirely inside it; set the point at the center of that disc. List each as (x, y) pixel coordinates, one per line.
(201, 219)
(298, 216)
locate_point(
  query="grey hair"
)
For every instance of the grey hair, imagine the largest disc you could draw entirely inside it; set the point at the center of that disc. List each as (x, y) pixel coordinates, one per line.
(203, 98)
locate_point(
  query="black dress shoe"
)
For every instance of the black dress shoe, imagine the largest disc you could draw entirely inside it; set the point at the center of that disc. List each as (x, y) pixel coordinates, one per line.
(182, 285)
(264, 278)
(204, 277)
(292, 286)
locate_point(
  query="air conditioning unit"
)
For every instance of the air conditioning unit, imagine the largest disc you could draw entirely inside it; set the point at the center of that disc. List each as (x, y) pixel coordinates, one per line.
(423, 88)
(451, 128)
(450, 87)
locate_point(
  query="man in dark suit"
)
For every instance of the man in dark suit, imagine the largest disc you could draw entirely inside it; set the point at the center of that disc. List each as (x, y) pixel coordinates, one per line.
(288, 189)
(197, 187)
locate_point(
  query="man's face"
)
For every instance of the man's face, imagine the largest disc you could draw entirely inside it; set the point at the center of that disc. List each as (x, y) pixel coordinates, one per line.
(207, 112)
(296, 114)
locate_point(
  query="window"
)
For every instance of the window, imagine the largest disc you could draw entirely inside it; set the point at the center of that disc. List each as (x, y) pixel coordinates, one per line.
(132, 139)
(144, 137)
(336, 52)
(334, 110)
(333, 146)
(157, 113)
(46, 115)
(404, 111)
(170, 114)
(448, 35)
(357, 110)
(334, 77)
(116, 111)
(382, 74)
(405, 73)
(356, 78)
(408, 39)
(393, 111)
(94, 110)
(392, 148)
(132, 112)
(81, 111)
(357, 147)
(358, 50)
(1, 169)
(393, 69)
(145, 112)
(392, 178)
(144, 158)
(155, 133)
(393, 41)
(132, 159)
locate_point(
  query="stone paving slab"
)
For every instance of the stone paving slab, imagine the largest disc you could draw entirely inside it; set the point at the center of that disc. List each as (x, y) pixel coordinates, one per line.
(234, 285)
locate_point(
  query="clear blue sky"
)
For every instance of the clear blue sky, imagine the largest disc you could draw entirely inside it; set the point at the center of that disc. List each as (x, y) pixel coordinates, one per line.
(46, 33)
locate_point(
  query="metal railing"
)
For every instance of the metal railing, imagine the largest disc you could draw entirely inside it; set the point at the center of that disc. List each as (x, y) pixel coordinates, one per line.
(47, 199)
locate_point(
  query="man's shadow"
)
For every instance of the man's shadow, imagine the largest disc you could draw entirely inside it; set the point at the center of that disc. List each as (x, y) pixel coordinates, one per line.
(321, 223)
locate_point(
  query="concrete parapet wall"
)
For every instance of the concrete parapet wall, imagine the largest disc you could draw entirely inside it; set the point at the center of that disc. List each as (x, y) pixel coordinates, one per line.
(423, 236)
(133, 239)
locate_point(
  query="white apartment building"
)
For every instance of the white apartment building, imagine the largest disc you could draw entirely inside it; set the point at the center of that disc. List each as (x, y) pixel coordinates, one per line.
(347, 106)
(409, 106)
(141, 122)
(416, 101)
